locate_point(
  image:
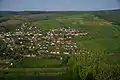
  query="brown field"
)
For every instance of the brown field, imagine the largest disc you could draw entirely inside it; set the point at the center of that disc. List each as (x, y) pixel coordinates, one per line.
(11, 22)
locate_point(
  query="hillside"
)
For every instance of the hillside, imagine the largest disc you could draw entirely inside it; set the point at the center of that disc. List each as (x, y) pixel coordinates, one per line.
(110, 15)
(101, 32)
(55, 45)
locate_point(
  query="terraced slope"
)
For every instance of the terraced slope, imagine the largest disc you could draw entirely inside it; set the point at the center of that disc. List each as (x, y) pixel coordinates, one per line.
(36, 69)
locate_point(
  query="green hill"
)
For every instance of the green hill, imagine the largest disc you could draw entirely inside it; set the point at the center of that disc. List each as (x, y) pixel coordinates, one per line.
(110, 15)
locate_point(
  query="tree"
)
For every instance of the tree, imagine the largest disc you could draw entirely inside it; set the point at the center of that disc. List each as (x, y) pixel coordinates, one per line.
(93, 66)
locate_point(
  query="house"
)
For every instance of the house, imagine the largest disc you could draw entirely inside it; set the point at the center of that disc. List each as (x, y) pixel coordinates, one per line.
(57, 52)
(11, 64)
(53, 52)
(58, 41)
(40, 34)
(1, 36)
(52, 44)
(61, 58)
(26, 55)
(33, 55)
(83, 34)
(66, 52)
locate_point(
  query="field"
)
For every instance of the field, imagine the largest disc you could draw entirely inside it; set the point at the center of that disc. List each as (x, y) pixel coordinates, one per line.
(37, 62)
(103, 37)
(36, 67)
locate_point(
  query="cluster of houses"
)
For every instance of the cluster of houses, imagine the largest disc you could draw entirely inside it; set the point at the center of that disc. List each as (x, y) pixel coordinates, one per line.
(30, 41)
(61, 40)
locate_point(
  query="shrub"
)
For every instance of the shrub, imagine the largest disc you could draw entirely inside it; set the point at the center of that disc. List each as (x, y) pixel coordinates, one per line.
(92, 66)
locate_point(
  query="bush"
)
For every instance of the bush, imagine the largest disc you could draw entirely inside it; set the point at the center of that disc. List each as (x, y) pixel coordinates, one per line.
(88, 66)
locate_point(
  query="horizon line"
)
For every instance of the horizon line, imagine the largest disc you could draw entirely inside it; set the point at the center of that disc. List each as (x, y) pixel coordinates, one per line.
(60, 10)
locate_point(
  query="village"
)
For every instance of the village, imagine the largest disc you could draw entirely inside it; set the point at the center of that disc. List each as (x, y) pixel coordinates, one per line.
(30, 41)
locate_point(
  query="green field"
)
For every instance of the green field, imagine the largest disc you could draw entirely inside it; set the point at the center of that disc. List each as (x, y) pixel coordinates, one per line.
(33, 67)
(37, 63)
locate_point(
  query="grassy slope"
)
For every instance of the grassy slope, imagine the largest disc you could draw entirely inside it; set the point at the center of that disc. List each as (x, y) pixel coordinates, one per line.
(37, 62)
(112, 16)
(33, 67)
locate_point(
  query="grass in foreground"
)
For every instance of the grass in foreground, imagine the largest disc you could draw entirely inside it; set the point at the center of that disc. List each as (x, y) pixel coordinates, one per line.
(37, 63)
